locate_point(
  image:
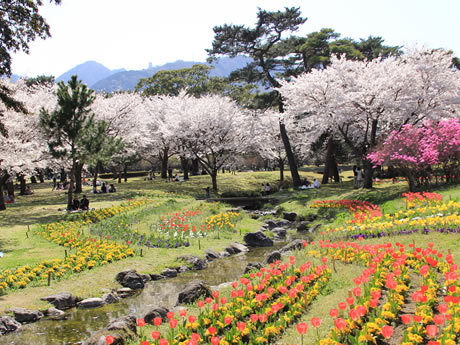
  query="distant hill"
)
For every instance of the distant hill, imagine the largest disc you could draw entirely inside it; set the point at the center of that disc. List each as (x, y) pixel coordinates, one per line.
(127, 80)
(89, 72)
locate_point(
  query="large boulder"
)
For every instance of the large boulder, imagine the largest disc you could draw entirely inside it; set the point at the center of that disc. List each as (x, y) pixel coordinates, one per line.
(121, 330)
(156, 312)
(192, 291)
(272, 257)
(230, 250)
(257, 239)
(8, 325)
(195, 262)
(62, 300)
(169, 273)
(290, 216)
(239, 248)
(94, 302)
(211, 254)
(156, 277)
(294, 245)
(315, 227)
(22, 315)
(252, 266)
(303, 226)
(110, 298)
(131, 279)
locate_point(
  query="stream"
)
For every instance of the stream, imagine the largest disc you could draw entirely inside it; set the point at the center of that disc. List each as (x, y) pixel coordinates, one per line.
(77, 325)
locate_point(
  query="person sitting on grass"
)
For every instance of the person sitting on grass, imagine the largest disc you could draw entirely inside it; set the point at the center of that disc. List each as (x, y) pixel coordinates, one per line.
(112, 188)
(84, 203)
(75, 204)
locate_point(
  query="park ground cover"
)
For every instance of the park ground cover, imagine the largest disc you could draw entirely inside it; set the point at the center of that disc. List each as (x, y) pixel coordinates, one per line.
(311, 291)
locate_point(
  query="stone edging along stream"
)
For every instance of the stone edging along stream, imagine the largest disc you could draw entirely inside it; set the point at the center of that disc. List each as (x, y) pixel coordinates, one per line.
(132, 282)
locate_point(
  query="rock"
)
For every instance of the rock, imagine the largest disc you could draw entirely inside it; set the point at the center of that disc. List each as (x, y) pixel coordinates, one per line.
(291, 216)
(314, 228)
(296, 244)
(211, 255)
(53, 312)
(280, 233)
(8, 325)
(303, 226)
(252, 266)
(156, 312)
(224, 254)
(120, 329)
(62, 300)
(272, 257)
(145, 278)
(311, 217)
(182, 269)
(192, 291)
(270, 224)
(283, 223)
(156, 277)
(195, 262)
(22, 315)
(257, 239)
(239, 248)
(131, 279)
(169, 273)
(110, 298)
(125, 292)
(94, 302)
(230, 250)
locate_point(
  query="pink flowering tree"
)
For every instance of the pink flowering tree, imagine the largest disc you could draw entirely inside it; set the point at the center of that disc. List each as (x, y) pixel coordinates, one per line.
(417, 151)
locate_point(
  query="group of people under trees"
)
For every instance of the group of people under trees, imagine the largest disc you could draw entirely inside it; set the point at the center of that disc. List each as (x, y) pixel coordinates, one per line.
(104, 189)
(82, 204)
(358, 175)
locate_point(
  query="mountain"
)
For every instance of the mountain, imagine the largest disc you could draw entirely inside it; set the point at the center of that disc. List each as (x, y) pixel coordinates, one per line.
(89, 72)
(127, 80)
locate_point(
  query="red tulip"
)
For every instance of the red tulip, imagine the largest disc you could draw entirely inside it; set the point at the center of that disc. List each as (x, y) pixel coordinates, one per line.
(157, 321)
(212, 330)
(333, 313)
(342, 305)
(145, 342)
(223, 300)
(376, 294)
(182, 312)
(109, 339)
(431, 330)
(350, 300)
(195, 337)
(442, 308)
(302, 328)
(432, 342)
(373, 303)
(254, 317)
(155, 335)
(163, 342)
(357, 291)
(215, 294)
(406, 319)
(263, 317)
(170, 315)
(228, 320)
(387, 331)
(354, 315)
(316, 322)
(418, 318)
(191, 318)
(241, 326)
(172, 323)
(140, 322)
(340, 324)
(439, 319)
(234, 285)
(215, 340)
(208, 300)
(200, 304)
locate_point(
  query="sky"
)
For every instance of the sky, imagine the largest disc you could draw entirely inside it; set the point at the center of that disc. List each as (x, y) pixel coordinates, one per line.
(132, 34)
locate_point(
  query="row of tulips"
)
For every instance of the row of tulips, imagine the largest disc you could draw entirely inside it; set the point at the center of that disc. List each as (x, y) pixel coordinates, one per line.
(425, 326)
(262, 305)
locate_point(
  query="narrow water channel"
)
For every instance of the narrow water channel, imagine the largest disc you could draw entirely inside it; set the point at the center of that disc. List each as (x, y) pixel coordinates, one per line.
(77, 324)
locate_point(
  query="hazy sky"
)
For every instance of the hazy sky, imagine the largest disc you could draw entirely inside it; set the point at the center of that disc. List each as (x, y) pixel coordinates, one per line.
(130, 34)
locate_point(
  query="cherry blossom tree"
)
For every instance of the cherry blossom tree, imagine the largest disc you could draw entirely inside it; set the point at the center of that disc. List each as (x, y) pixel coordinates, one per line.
(363, 101)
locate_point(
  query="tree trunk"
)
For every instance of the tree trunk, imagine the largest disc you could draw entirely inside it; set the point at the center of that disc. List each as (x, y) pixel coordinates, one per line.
(78, 170)
(195, 167)
(290, 156)
(22, 182)
(164, 163)
(71, 184)
(120, 175)
(368, 172)
(411, 182)
(3, 178)
(63, 177)
(33, 179)
(96, 172)
(214, 180)
(184, 163)
(327, 160)
(41, 178)
(10, 188)
(125, 172)
(281, 164)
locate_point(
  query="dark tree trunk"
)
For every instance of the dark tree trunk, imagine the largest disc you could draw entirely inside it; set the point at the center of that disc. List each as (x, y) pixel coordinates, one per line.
(71, 184)
(368, 173)
(184, 163)
(10, 188)
(214, 180)
(22, 184)
(78, 170)
(3, 178)
(120, 175)
(96, 172)
(164, 163)
(63, 177)
(195, 167)
(33, 179)
(281, 164)
(330, 166)
(290, 156)
(41, 177)
(125, 172)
